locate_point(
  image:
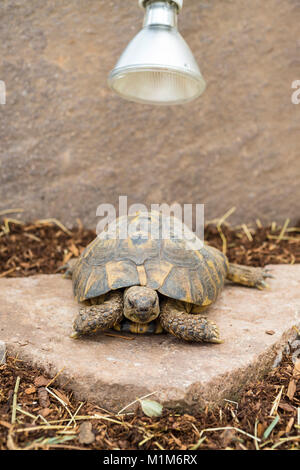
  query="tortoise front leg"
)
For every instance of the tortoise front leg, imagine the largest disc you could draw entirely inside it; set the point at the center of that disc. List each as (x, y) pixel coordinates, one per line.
(248, 276)
(99, 317)
(187, 326)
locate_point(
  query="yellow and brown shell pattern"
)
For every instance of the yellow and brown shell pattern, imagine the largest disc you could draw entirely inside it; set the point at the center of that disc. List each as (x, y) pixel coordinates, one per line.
(180, 267)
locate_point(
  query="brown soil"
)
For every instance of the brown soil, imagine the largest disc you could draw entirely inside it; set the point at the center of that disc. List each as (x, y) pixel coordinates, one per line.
(38, 419)
(44, 247)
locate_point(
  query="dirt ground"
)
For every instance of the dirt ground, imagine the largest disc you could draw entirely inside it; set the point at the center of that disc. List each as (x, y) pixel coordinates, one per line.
(36, 414)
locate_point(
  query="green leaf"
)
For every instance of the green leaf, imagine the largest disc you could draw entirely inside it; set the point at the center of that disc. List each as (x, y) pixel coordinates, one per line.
(151, 408)
(271, 427)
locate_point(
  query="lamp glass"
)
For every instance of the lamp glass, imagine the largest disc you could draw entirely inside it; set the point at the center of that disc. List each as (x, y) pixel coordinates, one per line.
(155, 85)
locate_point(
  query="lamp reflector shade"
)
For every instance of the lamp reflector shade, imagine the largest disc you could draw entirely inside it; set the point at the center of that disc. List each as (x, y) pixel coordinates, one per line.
(157, 67)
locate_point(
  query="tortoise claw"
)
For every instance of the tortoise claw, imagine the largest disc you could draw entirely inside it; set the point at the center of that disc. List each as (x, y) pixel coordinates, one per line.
(74, 335)
(262, 285)
(216, 341)
(267, 275)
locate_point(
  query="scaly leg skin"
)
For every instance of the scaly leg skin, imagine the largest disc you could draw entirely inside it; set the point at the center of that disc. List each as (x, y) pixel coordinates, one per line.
(91, 319)
(190, 327)
(248, 276)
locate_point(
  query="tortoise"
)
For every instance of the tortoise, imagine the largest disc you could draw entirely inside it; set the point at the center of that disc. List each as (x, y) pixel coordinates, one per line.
(142, 282)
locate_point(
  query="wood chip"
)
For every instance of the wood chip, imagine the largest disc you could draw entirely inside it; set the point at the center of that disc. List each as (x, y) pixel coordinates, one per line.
(289, 425)
(61, 395)
(294, 380)
(45, 412)
(41, 381)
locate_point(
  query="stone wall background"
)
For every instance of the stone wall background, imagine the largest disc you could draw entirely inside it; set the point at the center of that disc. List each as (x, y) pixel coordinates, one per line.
(68, 144)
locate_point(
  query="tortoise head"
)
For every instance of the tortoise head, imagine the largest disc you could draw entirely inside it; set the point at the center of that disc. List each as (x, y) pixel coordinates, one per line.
(141, 304)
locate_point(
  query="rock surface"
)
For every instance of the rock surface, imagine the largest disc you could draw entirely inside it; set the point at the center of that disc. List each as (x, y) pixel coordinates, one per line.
(69, 144)
(36, 316)
(2, 352)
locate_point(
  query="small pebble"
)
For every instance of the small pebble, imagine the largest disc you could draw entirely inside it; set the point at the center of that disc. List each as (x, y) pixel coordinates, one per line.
(296, 356)
(86, 435)
(270, 332)
(43, 398)
(277, 360)
(295, 344)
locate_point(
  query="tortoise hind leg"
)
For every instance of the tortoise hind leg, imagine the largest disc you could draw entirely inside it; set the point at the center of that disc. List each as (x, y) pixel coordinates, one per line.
(187, 326)
(69, 268)
(93, 318)
(248, 276)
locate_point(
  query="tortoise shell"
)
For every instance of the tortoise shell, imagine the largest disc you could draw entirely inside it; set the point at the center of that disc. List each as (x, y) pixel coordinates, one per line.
(133, 251)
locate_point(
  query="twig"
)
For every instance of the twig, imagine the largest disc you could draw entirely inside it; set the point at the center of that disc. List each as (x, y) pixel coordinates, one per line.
(293, 229)
(221, 221)
(106, 418)
(26, 413)
(285, 439)
(62, 446)
(276, 403)
(146, 440)
(5, 424)
(274, 237)
(158, 445)
(226, 215)
(32, 237)
(74, 416)
(286, 223)
(60, 401)
(9, 271)
(14, 405)
(198, 444)
(55, 377)
(39, 428)
(135, 401)
(56, 222)
(255, 435)
(10, 211)
(43, 419)
(233, 428)
(247, 232)
(273, 226)
(223, 238)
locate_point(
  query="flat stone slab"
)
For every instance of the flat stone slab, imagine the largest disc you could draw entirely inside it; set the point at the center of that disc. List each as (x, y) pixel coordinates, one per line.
(2, 352)
(36, 316)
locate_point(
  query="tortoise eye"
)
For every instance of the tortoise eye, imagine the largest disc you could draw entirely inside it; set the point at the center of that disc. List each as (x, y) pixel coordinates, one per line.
(154, 303)
(130, 303)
